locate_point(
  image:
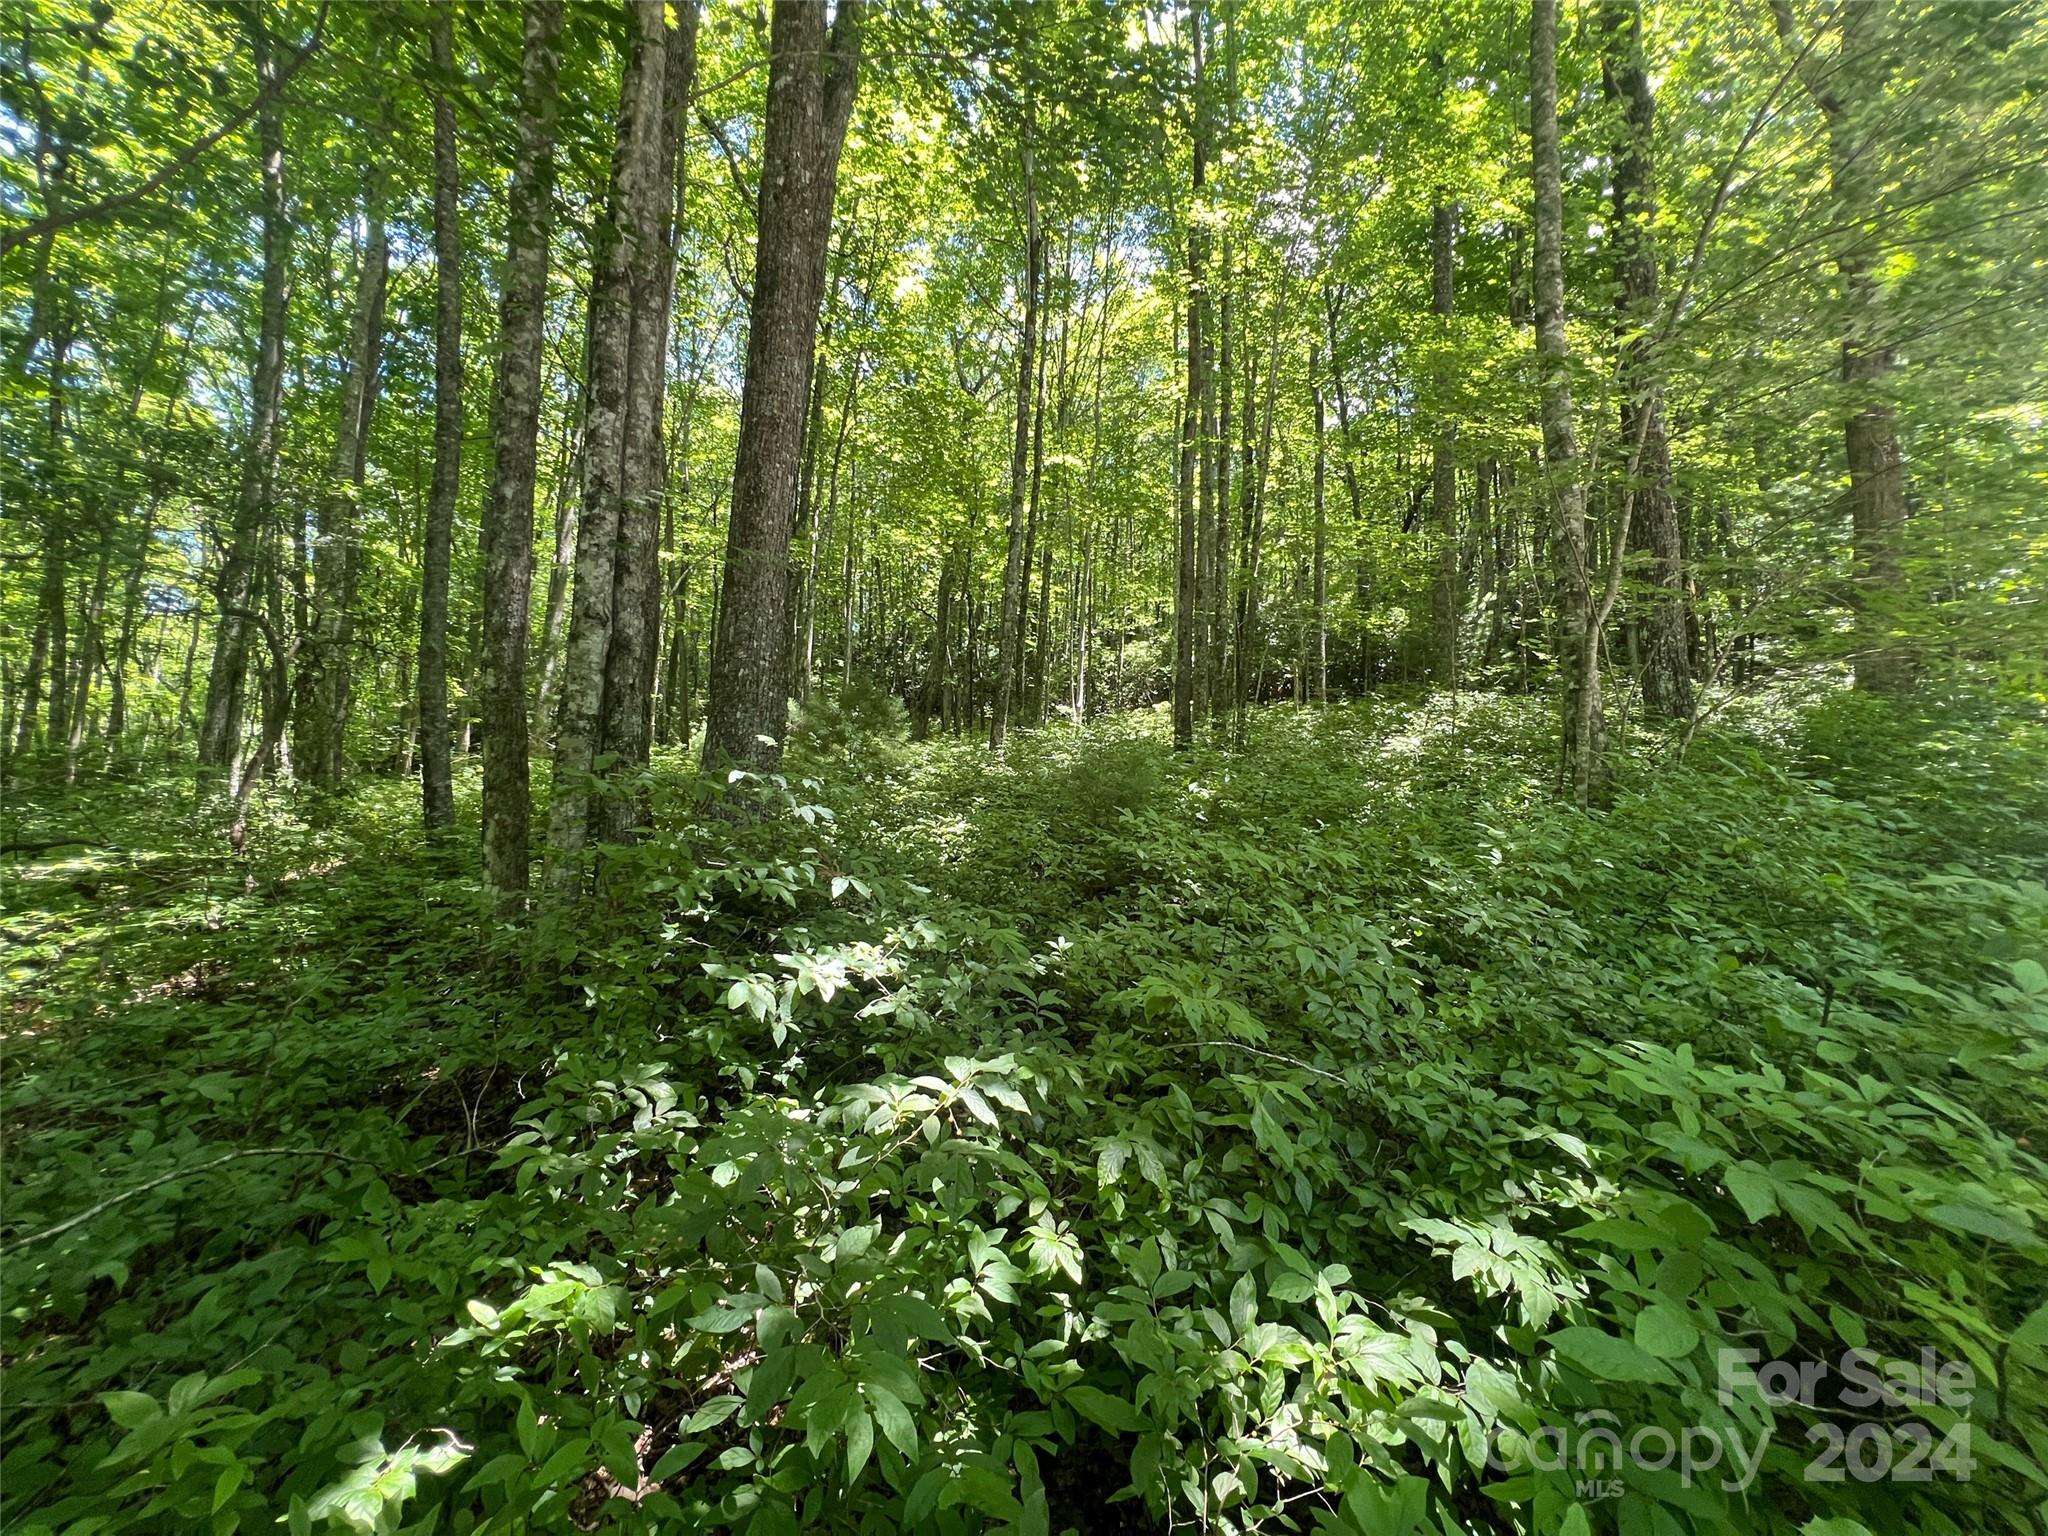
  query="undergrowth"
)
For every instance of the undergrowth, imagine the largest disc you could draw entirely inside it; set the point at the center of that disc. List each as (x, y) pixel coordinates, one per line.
(1299, 1138)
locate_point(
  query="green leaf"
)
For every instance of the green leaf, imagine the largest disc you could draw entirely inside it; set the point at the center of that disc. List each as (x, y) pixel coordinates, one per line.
(1752, 1189)
(1608, 1358)
(1664, 1330)
(860, 1439)
(130, 1410)
(1982, 1223)
(1111, 1413)
(893, 1418)
(712, 1414)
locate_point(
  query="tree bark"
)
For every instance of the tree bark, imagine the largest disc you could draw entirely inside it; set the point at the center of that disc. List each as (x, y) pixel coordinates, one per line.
(626, 239)
(437, 794)
(1667, 674)
(628, 725)
(1194, 468)
(221, 726)
(1322, 534)
(1584, 727)
(812, 78)
(1850, 98)
(1016, 562)
(1444, 604)
(320, 746)
(515, 426)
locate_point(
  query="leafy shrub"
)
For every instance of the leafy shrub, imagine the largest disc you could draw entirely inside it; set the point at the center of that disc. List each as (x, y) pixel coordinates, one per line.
(1280, 1140)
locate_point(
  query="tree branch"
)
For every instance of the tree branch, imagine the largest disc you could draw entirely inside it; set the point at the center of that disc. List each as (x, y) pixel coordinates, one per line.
(49, 223)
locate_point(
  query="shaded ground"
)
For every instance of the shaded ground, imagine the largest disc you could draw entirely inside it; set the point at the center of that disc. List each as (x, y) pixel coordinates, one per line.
(971, 1141)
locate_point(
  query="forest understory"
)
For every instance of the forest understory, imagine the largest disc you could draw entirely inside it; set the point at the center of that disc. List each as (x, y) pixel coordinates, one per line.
(1238, 1134)
(1039, 767)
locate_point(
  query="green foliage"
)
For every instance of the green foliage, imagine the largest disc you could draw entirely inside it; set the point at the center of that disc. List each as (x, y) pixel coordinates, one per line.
(1250, 1141)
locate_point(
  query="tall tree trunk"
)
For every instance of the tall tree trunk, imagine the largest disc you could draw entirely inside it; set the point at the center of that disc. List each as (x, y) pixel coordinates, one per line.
(1322, 534)
(1667, 674)
(1196, 477)
(628, 724)
(1245, 644)
(1032, 526)
(1584, 727)
(547, 691)
(1444, 602)
(437, 794)
(1016, 562)
(626, 239)
(1213, 535)
(1851, 99)
(325, 660)
(221, 726)
(811, 84)
(515, 425)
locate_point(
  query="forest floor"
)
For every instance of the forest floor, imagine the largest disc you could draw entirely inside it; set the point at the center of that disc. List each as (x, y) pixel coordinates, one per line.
(1262, 1131)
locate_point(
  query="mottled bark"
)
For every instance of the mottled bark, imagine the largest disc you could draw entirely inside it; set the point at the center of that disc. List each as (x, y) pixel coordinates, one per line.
(515, 425)
(1667, 674)
(811, 82)
(221, 726)
(628, 722)
(547, 691)
(1584, 727)
(1196, 478)
(1322, 534)
(320, 744)
(1212, 538)
(625, 238)
(437, 795)
(1444, 597)
(1851, 99)
(1017, 561)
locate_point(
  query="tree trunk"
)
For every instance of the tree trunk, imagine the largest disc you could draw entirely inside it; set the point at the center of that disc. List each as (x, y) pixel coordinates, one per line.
(1322, 536)
(320, 746)
(811, 84)
(1016, 562)
(1851, 99)
(568, 506)
(1194, 470)
(1667, 674)
(626, 239)
(437, 794)
(1444, 604)
(1213, 535)
(515, 425)
(628, 724)
(1584, 733)
(221, 727)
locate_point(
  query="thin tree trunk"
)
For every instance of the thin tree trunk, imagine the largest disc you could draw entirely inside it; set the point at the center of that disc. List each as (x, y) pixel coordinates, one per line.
(1016, 562)
(1193, 442)
(1322, 537)
(437, 794)
(515, 425)
(626, 238)
(1667, 675)
(324, 662)
(1585, 738)
(1444, 603)
(1850, 97)
(220, 728)
(1212, 536)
